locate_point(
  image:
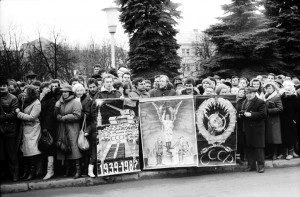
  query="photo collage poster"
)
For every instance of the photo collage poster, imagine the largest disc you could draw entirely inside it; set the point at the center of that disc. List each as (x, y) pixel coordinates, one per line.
(216, 119)
(118, 136)
(168, 132)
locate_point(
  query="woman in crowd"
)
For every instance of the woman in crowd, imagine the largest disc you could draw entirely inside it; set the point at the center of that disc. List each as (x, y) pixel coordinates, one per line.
(68, 114)
(256, 83)
(288, 120)
(127, 89)
(48, 124)
(89, 157)
(273, 128)
(31, 129)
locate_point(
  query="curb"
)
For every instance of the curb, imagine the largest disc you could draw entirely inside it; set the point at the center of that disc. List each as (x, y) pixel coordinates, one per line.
(142, 175)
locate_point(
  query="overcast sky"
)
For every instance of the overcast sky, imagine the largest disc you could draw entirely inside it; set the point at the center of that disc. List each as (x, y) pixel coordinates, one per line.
(80, 20)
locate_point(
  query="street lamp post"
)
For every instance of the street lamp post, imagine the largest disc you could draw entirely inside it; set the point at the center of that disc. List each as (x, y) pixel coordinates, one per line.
(112, 19)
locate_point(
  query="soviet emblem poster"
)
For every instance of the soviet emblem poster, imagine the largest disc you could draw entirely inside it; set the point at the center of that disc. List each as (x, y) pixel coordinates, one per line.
(118, 135)
(216, 130)
(168, 132)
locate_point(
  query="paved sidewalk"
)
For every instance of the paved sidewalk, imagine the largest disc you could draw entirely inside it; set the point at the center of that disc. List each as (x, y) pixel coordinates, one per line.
(38, 184)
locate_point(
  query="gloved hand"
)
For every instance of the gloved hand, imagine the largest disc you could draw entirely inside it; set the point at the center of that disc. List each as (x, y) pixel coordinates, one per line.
(59, 118)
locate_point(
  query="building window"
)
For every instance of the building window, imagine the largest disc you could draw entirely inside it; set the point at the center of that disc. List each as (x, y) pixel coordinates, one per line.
(188, 52)
(188, 67)
(183, 52)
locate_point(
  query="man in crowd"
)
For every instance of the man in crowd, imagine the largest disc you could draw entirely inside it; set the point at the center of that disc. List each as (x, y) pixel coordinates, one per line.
(31, 77)
(148, 85)
(9, 132)
(140, 89)
(97, 68)
(243, 83)
(271, 77)
(235, 84)
(253, 115)
(93, 87)
(126, 78)
(189, 87)
(165, 88)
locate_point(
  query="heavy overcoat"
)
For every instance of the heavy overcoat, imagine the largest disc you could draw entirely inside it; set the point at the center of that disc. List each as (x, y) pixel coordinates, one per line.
(273, 127)
(70, 111)
(288, 119)
(47, 119)
(31, 128)
(254, 126)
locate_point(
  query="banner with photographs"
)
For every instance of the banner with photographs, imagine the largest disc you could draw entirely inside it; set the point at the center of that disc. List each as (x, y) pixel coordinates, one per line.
(118, 135)
(168, 132)
(216, 130)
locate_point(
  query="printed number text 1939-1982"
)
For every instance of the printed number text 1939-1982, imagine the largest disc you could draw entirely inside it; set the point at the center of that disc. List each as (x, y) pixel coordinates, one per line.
(118, 167)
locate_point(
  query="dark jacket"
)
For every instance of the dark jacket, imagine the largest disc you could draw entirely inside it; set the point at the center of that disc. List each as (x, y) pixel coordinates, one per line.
(240, 132)
(254, 126)
(288, 119)
(8, 117)
(47, 119)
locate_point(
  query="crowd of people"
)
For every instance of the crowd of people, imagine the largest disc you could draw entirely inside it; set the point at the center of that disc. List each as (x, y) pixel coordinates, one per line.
(267, 106)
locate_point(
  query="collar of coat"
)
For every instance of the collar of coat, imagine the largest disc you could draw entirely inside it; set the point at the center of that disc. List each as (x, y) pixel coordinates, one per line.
(103, 89)
(271, 96)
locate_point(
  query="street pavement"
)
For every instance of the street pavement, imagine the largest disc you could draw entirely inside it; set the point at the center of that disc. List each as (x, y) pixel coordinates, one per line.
(274, 182)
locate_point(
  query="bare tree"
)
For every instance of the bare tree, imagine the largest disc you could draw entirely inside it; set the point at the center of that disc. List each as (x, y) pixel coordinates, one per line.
(203, 46)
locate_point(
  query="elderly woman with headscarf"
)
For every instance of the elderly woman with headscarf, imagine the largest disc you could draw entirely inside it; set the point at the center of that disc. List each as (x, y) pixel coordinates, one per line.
(274, 108)
(68, 114)
(288, 119)
(31, 130)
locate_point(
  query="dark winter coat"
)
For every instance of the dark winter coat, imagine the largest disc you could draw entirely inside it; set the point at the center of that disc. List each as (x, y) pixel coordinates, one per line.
(273, 128)
(86, 102)
(162, 92)
(254, 126)
(8, 116)
(70, 111)
(288, 119)
(47, 118)
(240, 132)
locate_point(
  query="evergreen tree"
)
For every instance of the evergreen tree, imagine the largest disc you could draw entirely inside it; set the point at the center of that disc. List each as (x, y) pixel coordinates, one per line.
(150, 26)
(245, 43)
(285, 17)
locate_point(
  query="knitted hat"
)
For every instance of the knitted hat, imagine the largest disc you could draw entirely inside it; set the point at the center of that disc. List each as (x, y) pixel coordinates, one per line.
(76, 86)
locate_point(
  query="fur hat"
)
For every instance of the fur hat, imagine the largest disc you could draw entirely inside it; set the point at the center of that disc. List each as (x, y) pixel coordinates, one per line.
(76, 86)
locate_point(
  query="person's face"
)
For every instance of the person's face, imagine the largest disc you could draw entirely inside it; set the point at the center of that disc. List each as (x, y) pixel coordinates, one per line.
(96, 70)
(74, 83)
(256, 84)
(3, 89)
(235, 81)
(141, 86)
(270, 89)
(163, 82)
(121, 90)
(108, 83)
(225, 91)
(127, 91)
(189, 88)
(65, 94)
(37, 88)
(93, 88)
(209, 91)
(46, 89)
(79, 92)
(148, 86)
(205, 84)
(288, 90)
(177, 81)
(250, 95)
(179, 86)
(271, 78)
(126, 78)
(54, 86)
(242, 84)
(31, 79)
(11, 89)
(156, 83)
(241, 93)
